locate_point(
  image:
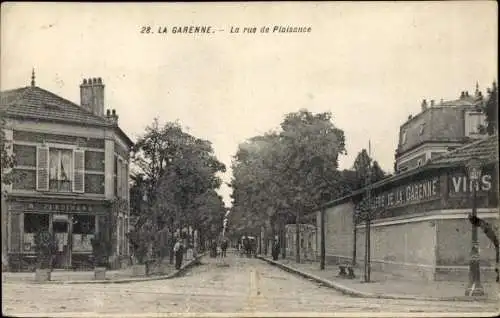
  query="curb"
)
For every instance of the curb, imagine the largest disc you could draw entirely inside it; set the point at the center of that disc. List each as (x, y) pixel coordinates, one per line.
(176, 273)
(356, 293)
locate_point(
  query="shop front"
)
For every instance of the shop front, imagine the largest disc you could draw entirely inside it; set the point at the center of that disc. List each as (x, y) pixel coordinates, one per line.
(73, 225)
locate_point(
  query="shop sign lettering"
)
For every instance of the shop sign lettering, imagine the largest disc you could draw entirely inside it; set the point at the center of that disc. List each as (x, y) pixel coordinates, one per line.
(411, 193)
(462, 184)
(60, 207)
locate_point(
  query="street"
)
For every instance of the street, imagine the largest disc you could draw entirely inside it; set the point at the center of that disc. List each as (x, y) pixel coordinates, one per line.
(245, 285)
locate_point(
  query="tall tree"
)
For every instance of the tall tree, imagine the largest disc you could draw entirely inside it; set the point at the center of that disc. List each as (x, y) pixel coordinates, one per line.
(7, 162)
(289, 170)
(7, 159)
(362, 166)
(377, 173)
(491, 110)
(176, 169)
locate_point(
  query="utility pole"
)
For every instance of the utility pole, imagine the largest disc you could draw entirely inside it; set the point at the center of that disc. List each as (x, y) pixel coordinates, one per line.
(367, 213)
(354, 230)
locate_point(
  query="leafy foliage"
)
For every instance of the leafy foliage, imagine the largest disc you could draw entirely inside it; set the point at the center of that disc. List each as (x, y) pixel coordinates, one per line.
(101, 249)
(366, 170)
(293, 170)
(491, 110)
(7, 160)
(45, 245)
(175, 186)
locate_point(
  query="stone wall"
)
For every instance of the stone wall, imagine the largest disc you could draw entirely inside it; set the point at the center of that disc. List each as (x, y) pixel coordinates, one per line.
(453, 250)
(338, 233)
(405, 249)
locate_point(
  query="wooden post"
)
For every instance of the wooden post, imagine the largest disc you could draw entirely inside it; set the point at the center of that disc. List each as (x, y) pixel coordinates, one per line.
(323, 239)
(355, 232)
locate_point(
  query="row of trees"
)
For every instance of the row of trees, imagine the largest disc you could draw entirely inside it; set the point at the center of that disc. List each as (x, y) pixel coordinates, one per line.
(173, 191)
(281, 176)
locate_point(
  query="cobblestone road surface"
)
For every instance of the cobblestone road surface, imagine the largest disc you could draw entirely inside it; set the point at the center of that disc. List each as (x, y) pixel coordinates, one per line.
(246, 285)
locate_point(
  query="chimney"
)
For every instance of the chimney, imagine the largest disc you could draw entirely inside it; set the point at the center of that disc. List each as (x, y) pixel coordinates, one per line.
(92, 95)
(462, 95)
(112, 116)
(432, 103)
(424, 105)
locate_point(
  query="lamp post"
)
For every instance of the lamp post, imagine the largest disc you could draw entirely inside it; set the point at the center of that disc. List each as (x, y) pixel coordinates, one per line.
(474, 289)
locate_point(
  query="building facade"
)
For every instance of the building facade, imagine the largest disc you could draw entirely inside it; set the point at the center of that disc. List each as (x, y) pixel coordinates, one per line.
(420, 227)
(439, 128)
(71, 175)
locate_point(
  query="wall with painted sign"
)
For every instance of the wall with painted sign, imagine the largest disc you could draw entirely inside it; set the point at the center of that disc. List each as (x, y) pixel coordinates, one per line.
(460, 184)
(415, 192)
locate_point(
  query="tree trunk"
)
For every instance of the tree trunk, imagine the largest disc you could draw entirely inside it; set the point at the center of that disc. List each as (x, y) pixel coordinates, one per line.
(170, 248)
(297, 237)
(323, 238)
(367, 250)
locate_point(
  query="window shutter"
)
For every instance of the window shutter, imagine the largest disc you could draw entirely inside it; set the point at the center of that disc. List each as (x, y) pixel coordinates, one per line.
(42, 168)
(119, 178)
(79, 171)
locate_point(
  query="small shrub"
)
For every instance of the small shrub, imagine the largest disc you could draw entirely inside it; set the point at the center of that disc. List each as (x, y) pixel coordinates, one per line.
(45, 245)
(101, 249)
(139, 241)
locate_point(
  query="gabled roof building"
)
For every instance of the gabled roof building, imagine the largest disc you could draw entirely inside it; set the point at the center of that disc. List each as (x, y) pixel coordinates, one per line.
(71, 175)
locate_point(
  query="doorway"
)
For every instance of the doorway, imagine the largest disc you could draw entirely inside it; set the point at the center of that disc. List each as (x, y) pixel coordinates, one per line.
(60, 228)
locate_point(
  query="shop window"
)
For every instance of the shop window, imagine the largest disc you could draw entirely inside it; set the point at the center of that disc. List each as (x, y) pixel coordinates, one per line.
(83, 232)
(83, 224)
(34, 222)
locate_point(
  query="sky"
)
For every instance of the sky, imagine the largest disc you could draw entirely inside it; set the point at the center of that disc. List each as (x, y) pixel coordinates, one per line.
(369, 63)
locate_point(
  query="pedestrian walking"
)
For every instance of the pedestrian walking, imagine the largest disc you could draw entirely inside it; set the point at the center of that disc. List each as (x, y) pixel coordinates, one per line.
(276, 249)
(223, 247)
(178, 251)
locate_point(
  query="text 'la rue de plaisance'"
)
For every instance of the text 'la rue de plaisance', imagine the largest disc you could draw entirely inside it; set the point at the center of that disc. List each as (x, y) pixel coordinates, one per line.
(194, 29)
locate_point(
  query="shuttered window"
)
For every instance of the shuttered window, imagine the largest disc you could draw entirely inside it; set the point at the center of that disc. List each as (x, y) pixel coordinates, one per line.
(79, 171)
(42, 168)
(119, 176)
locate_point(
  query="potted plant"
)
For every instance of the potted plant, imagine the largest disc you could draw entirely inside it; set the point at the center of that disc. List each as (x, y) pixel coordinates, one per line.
(100, 251)
(45, 246)
(140, 241)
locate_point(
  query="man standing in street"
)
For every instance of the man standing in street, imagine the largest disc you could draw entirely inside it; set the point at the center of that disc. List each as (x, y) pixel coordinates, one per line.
(178, 251)
(223, 247)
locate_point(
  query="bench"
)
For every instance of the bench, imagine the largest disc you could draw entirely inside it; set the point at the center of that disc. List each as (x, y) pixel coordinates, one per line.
(350, 271)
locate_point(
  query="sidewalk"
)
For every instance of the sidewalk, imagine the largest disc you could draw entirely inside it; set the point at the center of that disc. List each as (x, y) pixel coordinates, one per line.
(384, 285)
(112, 276)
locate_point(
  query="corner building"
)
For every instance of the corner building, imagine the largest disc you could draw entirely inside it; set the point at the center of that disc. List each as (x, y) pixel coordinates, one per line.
(72, 168)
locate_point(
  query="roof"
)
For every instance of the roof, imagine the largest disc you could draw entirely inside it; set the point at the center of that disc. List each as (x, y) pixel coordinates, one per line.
(37, 103)
(33, 102)
(485, 149)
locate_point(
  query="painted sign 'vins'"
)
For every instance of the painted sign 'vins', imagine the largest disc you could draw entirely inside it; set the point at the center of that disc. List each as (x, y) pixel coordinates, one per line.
(462, 184)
